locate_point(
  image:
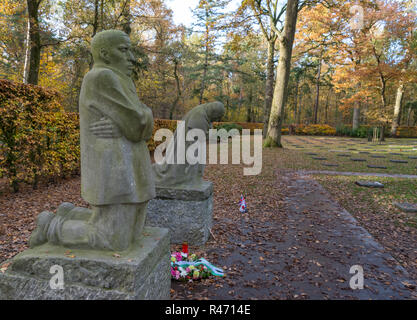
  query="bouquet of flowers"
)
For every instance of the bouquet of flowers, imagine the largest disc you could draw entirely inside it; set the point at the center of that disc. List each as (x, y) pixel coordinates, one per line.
(186, 267)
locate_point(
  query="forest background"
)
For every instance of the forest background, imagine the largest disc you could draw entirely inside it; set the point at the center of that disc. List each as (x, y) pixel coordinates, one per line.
(339, 75)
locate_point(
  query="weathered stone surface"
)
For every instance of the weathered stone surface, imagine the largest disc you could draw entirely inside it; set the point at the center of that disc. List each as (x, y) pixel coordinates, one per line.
(330, 165)
(358, 160)
(376, 167)
(320, 159)
(398, 161)
(197, 193)
(114, 127)
(406, 207)
(139, 273)
(170, 172)
(116, 169)
(188, 220)
(370, 184)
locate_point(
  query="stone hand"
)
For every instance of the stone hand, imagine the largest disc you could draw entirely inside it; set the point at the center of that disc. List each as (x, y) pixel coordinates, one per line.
(105, 128)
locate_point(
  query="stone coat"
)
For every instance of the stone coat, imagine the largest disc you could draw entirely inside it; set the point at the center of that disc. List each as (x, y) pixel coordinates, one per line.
(114, 170)
(182, 175)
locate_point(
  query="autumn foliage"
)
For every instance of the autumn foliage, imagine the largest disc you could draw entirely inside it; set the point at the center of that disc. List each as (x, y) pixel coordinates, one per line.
(38, 139)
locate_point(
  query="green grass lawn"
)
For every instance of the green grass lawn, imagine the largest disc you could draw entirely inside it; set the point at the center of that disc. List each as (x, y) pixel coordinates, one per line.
(360, 200)
(356, 199)
(297, 148)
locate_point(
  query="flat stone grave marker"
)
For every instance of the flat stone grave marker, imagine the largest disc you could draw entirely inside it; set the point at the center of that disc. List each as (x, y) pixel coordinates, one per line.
(376, 167)
(412, 157)
(406, 207)
(369, 184)
(398, 161)
(352, 149)
(344, 155)
(312, 154)
(330, 165)
(318, 158)
(358, 160)
(364, 152)
(378, 157)
(395, 154)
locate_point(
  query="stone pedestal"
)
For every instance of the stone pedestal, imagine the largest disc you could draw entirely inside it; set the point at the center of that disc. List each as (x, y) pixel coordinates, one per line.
(187, 212)
(142, 272)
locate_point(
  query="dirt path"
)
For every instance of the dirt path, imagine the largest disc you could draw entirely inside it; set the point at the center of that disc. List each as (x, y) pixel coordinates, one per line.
(303, 250)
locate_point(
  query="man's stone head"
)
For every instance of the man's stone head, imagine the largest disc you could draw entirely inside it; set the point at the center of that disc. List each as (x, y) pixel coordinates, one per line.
(215, 111)
(113, 48)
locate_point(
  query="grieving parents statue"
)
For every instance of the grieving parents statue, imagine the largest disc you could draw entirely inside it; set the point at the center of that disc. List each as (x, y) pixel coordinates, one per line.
(116, 172)
(187, 175)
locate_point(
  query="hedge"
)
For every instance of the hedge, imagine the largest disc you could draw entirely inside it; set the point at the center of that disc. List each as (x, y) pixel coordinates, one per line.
(406, 132)
(312, 130)
(245, 125)
(37, 138)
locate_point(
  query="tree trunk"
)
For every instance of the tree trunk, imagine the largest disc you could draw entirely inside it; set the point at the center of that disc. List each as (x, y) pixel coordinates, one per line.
(283, 73)
(205, 67)
(95, 22)
(382, 92)
(269, 87)
(356, 115)
(326, 110)
(397, 109)
(336, 109)
(249, 112)
(27, 51)
(126, 18)
(35, 41)
(409, 116)
(298, 121)
(356, 111)
(95, 29)
(179, 93)
(296, 99)
(102, 14)
(316, 104)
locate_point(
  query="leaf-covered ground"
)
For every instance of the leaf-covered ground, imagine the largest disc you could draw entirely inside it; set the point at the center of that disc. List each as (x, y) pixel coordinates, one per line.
(270, 253)
(374, 208)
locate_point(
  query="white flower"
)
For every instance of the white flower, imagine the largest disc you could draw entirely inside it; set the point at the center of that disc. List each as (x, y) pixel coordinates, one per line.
(183, 272)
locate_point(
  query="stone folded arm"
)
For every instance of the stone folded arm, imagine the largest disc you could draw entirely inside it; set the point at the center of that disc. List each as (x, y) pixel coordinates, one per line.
(111, 102)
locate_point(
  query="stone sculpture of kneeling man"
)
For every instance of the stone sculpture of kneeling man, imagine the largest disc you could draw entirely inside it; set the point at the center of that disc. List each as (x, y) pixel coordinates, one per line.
(116, 171)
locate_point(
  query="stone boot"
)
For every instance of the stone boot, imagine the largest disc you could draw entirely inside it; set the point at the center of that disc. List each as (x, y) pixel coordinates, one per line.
(39, 235)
